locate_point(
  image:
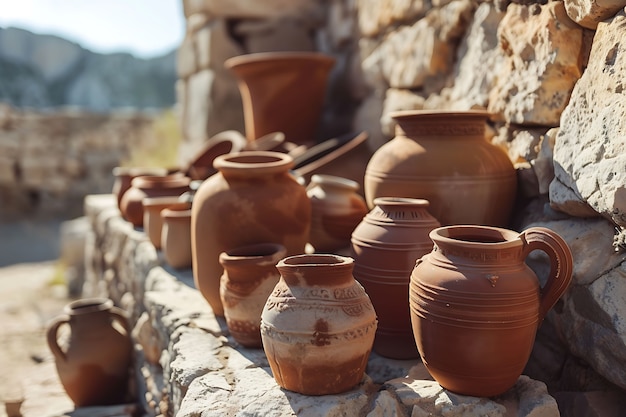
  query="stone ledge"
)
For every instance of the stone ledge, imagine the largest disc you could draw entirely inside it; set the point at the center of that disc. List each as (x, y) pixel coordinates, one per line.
(188, 365)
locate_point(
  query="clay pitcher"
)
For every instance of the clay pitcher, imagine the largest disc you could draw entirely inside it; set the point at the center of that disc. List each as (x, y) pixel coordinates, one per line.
(282, 92)
(250, 276)
(94, 364)
(444, 157)
(476, 305)
(318, 325)
(385, 246)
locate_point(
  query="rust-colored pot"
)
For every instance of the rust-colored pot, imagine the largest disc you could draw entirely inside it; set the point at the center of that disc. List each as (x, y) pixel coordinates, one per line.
(250, 276)
(385, 246)
(94, 365)
(252, 199)
(123, 176)
(445, 158)
(150, 186)
(476, 306)
(152, 220)
(318, 325)
(176, 235)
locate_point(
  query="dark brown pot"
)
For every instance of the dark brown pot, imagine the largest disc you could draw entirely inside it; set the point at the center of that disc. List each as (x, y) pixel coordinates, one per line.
(94, 365)
(385, 246)
(125, 175)
(282, 92)
(150, 186)
(249, 277)
(318, 325)
(444, 157)
(252, 199)
(476, 306)
(336, 209)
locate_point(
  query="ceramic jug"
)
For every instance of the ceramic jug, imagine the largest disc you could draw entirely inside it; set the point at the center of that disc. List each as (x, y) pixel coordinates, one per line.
(385, 246)
(94, 365)
(445, 158)
(318, 325)
(336, 209)
(249, 277)
(252, 199)
(476, 305)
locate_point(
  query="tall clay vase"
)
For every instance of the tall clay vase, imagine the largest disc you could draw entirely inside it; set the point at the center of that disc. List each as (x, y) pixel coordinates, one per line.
(318, 325)
(94, 364)
(476, 306)
(252, 199)
(282, 92)
(336, 209)
(171, 185)
(385, 246)
(176, 235)
(250, 276)
(445, 158)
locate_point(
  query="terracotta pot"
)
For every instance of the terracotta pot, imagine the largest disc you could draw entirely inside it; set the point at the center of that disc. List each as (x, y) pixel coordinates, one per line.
(336, 209)
(476, 306)
(94, 365)
(152, 221)
(282, 91)
(201, 165)
(318, 325)
(444, 157)
(150, 186)
(124, 176)
(385, 246)
(252, 199)
(176, 235)
(249, 277)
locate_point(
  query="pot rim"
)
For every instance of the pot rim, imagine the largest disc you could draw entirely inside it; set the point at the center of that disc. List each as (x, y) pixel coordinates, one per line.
(254, 161)
(240, 60)
(443, 113)
(315, 260)
(254, 251)
(335, 181)
(88, 305)
(401, 201)
(453, 235)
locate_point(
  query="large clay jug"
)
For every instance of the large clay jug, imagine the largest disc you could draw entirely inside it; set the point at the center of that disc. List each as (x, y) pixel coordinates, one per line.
(476, 306)
(336, 209)
(252, 199)
(445, 158)
(318, 325)
(282, 91)
(94, 364)
(385, 246)
(250, 276)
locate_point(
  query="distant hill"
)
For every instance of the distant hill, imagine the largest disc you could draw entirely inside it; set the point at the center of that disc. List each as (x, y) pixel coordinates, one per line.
(43, 71)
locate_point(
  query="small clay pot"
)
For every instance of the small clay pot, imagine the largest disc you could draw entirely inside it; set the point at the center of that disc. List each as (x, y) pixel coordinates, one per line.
(176, 235)
(318, 325)
(150, 186)
(249, 277)
(125, 175)
(152, 220)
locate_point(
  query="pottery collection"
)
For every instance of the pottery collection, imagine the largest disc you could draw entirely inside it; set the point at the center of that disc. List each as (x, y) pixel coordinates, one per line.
(385, 246)
(445, 158)
(94, 365)
(318, 325)
(252, 199)
(336, 209)
(249, 277)
(476, 306)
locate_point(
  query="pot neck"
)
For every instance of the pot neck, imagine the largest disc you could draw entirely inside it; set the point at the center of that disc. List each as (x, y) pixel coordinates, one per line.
(316, 270)
(441, 124)
(400, 210)
(253, 164)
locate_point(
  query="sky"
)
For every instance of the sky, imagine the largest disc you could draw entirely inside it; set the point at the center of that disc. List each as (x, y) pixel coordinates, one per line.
(145, 28)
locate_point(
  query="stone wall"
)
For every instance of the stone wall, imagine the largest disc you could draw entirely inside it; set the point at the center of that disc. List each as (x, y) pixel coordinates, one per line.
(548, 71)
(49, 161)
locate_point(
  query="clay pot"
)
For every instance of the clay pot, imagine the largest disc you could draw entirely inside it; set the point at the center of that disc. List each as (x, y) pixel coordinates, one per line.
(252, 199)
(94, 365)
(336, 209)
(150, 186)
(176, 235)
(249, 277)
(318, 325)
(282, 91)
(124, 176)
(385, 246)
(444, 157)
(152, 221)
(476, 306)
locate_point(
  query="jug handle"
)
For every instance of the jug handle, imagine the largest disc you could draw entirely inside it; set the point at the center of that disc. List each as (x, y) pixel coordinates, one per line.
(119, 315)
(51, 336)
(561, 264)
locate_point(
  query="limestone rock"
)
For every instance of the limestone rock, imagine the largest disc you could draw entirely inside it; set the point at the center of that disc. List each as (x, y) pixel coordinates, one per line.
(589, 13)
(589, 158)
(543, 49)
(377, 16)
